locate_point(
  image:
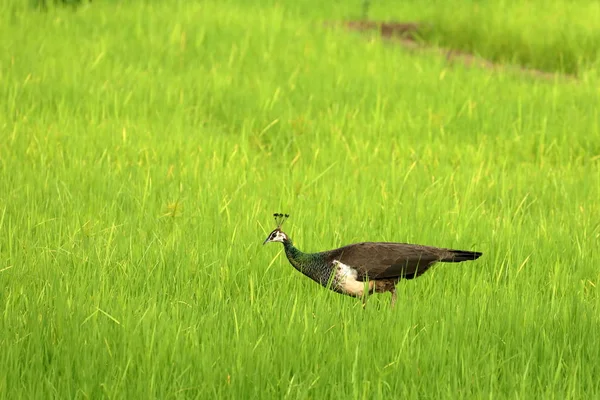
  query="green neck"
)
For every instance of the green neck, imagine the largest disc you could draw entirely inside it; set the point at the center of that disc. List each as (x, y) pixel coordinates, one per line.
(310, 264)
(294, 255)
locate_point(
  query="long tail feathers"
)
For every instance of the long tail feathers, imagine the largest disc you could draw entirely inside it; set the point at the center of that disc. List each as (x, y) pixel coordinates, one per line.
(460, 255)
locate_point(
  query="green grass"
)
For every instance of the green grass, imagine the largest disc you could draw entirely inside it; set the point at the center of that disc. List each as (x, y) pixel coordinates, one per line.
(553, 36)
(145, 145)
(560, 38)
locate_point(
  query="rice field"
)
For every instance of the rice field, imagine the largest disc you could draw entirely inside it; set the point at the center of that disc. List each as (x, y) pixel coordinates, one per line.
(144, 147)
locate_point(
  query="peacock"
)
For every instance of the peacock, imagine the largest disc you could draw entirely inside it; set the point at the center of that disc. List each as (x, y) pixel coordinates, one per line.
(365, 268)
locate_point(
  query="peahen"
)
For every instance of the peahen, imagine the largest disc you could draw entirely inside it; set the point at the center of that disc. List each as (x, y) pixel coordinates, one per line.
(367, 267)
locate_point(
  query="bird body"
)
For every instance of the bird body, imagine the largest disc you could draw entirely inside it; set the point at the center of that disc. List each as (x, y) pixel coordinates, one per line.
(367, 267)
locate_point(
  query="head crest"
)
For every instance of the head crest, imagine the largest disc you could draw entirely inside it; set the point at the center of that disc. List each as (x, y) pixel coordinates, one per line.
(280, 218)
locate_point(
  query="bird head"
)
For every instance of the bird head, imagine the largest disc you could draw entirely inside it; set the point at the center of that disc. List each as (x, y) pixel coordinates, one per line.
(277, 235)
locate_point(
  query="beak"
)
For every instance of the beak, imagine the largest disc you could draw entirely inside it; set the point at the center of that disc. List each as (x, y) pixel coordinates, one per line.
(266, 240)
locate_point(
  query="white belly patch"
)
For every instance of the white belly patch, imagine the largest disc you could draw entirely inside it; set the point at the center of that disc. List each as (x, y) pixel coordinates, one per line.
(346, 280)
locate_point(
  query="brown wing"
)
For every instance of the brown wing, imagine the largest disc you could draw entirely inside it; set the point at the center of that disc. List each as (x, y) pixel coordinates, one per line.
(389, 260)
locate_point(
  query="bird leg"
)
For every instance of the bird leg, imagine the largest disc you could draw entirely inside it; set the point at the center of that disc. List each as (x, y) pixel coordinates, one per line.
(394, 296)
(364, 300)
(365, 294)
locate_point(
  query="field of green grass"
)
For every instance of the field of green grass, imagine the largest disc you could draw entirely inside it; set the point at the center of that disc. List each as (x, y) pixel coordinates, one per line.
(145, 145)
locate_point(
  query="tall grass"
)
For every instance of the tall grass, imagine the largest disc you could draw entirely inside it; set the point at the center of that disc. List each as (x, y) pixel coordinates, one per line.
(144, 146)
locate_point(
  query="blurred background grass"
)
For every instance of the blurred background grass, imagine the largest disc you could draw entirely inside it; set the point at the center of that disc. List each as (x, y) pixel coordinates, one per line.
(145, 145)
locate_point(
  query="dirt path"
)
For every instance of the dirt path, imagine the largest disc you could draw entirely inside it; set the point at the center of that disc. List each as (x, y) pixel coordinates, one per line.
(405, 34)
